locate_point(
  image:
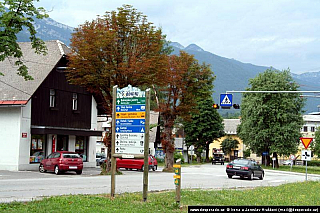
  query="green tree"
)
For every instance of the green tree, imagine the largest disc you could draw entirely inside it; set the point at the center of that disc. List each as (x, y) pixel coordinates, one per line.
(315, 144)
(15, 15)
(271, 122)
(229, 144)
(204, 126)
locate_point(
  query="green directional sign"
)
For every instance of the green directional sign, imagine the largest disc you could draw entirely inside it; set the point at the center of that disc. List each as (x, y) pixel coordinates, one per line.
(131, 101)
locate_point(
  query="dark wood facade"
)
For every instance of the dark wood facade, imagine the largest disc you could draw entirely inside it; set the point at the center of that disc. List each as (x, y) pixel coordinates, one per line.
(62, 115)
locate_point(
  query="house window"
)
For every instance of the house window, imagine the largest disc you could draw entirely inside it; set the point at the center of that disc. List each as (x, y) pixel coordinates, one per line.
(305, 129)
(312, 129)
(37, 149)
(75, 101)
(52, 98)
(81, 147)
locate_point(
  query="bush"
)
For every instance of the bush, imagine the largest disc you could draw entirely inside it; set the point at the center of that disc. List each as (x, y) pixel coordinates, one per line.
(178, 155)
(314, 163)
(160, 160)
(194, 158)
(246, 153)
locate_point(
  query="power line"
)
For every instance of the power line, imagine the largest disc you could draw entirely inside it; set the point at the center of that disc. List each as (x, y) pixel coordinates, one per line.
(15, 88)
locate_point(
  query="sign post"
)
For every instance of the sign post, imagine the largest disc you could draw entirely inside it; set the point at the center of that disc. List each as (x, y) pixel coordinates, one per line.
(306, 154)
(130, 129)
(292, 158)
(177, 180)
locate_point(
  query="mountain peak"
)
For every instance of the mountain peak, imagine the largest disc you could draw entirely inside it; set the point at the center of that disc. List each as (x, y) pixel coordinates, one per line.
(177, 45)
(194, 47)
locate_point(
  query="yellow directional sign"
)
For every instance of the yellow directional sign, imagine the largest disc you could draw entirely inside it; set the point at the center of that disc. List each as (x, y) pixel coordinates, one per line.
(176, 171)
(176, 181)
(177, 176)
(176, 166)
(121, 115)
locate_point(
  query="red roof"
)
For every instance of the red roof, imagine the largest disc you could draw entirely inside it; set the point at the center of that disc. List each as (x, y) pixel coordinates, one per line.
(13, 102)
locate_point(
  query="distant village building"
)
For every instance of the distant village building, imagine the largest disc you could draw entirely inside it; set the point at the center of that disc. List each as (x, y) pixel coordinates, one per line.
(230, 129)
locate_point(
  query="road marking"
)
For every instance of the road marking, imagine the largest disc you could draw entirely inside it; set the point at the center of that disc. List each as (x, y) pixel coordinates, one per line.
(277, 181)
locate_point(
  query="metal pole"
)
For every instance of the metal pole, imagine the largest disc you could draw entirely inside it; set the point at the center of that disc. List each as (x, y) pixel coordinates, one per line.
(146, 147)
(306, 170)
(113, 159)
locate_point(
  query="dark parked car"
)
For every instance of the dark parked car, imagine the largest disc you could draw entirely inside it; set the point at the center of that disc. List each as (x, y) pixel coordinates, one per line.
(244, 168)
(218, 158)
(62, 161)
(100, 158)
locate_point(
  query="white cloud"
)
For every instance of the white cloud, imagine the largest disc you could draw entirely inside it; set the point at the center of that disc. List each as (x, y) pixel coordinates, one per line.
(281, 33)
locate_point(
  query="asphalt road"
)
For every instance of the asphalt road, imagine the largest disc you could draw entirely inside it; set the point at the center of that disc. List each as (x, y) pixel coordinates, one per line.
(31, 185)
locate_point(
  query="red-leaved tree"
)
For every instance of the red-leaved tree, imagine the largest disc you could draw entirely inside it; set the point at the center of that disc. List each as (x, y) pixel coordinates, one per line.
(184, 79)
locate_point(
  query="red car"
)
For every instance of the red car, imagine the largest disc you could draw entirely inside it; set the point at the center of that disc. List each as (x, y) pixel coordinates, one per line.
(130, 163)
(62, 161)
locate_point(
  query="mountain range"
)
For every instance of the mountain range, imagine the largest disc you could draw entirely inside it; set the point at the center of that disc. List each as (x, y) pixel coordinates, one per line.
(230, 73)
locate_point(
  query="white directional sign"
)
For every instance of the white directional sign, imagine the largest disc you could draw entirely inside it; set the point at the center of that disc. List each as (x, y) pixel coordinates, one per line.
(306, 155)
(135, 150)
(130, 120)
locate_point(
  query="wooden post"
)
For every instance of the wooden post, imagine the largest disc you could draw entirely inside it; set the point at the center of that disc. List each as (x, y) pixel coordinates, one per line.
(177, 180)
(113, 159)
(146, 147)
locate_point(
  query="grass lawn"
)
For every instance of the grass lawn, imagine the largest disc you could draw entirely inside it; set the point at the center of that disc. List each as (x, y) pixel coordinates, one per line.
(293, 194)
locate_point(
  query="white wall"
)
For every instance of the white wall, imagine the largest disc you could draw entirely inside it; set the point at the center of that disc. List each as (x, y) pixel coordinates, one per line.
(72, 143)
(25, 143)
(10, 134)
(94, 115)
(93, 139)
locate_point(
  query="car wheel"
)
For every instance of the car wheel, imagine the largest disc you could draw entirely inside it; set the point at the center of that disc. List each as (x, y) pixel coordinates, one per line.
(41, 168)
(251, 176)
(241, 177)
(142, 168)
(79, 172)
(262, 176)
(56, 170)
(229, 176)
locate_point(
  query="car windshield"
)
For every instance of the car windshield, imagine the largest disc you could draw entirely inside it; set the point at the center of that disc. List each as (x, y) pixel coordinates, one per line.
(71, 155)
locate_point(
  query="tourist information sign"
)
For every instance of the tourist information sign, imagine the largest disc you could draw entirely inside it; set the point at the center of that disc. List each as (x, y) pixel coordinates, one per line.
(130, 129)
(130, 120)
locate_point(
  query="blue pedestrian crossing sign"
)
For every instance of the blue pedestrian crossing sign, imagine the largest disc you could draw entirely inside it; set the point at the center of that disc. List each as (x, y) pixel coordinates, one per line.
(226, 100)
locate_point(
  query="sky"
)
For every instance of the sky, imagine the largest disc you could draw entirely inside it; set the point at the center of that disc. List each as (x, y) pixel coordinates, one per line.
(279, 33)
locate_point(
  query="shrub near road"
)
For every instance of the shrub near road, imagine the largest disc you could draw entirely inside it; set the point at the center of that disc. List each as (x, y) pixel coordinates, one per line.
(293, 194)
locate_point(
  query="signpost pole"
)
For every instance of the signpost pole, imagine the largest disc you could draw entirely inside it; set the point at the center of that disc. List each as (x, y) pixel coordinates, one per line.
(146, 147)
(113, 159)
(306, 170)
(177, 180)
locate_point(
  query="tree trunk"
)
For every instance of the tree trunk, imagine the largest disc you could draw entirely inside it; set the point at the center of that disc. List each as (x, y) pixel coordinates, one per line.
(207, 152)
(276, 163)
(198, 156)
(168, 145)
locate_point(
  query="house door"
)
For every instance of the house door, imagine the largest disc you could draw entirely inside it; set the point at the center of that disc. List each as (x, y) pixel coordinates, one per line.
(62, 143)
(235, 154)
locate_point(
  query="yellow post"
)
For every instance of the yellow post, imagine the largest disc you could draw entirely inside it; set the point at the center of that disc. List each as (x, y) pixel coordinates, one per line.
(177, 180)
